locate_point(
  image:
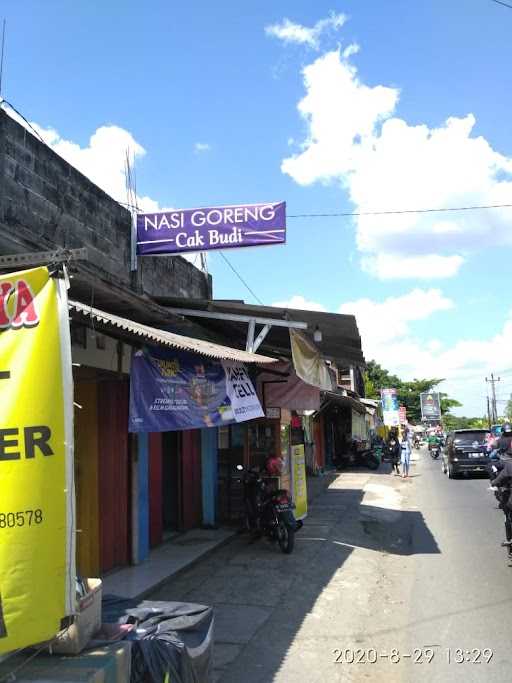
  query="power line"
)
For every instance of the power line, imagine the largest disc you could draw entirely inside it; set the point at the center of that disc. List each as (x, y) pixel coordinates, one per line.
(500, 2)
(396, 212)
(340, 214)
(241, 278)
(2, 101)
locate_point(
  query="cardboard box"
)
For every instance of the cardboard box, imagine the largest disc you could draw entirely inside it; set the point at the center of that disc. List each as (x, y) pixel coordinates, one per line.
(86, 622)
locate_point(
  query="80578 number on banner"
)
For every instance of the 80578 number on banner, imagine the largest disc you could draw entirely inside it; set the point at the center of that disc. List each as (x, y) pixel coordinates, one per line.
(9, 520)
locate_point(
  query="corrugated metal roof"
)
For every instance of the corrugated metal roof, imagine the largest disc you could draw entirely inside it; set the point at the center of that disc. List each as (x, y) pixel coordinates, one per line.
(331, 396)
(341, 340)
(163, 338)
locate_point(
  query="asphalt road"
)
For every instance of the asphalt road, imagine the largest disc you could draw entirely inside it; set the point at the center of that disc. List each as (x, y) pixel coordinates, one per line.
(461, 593)
(386, 571)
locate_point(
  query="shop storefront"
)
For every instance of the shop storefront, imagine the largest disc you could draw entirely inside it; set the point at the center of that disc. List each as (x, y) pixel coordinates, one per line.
(136, 489)
(345, 427)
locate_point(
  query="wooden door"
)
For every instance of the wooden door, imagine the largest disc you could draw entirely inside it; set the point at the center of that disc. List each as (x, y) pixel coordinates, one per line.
(113, 474)
(86, 478)
(191, 478)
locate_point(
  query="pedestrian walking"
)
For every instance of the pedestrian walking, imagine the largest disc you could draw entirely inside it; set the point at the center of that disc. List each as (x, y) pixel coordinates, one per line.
(393, 451)
(405, 454)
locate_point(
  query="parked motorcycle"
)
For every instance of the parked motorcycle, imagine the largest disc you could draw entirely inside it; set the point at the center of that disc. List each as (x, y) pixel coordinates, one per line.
(365, 457)
(369, 458)
(268, 512)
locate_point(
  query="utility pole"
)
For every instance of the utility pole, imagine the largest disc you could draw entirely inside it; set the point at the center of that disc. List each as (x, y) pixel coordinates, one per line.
(492, 382)
(489, 412)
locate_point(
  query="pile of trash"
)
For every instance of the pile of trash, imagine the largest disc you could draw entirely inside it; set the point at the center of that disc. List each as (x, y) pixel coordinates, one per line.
(170, 640)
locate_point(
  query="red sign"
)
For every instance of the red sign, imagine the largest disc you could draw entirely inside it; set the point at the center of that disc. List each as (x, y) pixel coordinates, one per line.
(402, 413)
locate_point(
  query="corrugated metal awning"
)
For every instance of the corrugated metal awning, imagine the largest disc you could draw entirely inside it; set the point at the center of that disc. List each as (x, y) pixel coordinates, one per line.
(152, 335)
(343, 400)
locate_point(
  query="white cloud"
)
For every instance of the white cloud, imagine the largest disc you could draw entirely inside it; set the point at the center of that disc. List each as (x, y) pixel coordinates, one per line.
(387, 331)
(291, 32)
(380, 322)
(350, 50)
(388, 266)
(201, 147)
(388, 336)
(102, 160)
(383, 163)
(299, 302)
(338, 118)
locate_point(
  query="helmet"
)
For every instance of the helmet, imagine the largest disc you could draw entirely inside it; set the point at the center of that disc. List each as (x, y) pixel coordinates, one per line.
(506, 428)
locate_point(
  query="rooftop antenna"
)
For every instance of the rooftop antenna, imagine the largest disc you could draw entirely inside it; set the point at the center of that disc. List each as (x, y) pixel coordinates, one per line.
(2, 58)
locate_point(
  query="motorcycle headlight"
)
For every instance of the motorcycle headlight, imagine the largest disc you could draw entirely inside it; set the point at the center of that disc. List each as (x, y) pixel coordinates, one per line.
(455, 459)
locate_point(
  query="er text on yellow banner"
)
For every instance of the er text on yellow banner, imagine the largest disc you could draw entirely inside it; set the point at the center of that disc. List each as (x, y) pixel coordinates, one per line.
(36, 489)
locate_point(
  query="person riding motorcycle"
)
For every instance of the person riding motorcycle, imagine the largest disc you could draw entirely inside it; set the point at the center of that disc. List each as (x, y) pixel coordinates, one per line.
(434, 440)
(504, 479)
(504, 443)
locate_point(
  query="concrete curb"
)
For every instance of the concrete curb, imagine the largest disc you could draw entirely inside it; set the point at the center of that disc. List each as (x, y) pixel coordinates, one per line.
(145, 593)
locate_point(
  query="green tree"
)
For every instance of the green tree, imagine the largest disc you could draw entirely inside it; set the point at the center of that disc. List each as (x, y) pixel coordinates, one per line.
(451, 422)
(377, 378)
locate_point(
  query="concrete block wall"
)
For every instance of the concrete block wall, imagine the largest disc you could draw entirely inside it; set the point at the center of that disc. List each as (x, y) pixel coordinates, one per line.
(46, 203)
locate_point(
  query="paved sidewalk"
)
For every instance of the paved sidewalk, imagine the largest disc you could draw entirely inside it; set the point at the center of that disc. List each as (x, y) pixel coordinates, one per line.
(165, 562)
(182, 552)
(279, 617)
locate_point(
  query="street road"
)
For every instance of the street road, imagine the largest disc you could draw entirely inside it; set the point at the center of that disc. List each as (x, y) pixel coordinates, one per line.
(461, 598)
(386, 571)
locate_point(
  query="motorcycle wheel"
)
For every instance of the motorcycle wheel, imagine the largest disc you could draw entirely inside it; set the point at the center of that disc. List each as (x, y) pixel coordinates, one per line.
(286, 538)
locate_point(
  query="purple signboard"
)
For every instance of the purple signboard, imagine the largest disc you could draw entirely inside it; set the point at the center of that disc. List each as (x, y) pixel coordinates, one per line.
(223, 227)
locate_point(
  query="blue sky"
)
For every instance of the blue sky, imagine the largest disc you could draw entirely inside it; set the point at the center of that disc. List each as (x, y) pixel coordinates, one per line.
(172, 75)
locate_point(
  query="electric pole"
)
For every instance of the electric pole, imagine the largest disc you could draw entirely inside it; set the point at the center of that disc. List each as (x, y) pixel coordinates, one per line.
(494, 410)
(489, 412)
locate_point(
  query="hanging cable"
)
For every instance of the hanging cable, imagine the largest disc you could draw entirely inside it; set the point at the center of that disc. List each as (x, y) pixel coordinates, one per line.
(2, 101)
(346, 214)
(241, 279)
(500, 2)
(132, 204)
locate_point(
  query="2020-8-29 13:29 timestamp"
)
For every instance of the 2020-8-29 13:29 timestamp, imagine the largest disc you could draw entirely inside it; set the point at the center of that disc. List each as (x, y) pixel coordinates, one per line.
(420, 655)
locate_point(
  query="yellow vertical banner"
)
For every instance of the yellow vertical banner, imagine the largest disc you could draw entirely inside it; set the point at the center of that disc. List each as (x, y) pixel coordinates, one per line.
(300, 492)
(37, 553)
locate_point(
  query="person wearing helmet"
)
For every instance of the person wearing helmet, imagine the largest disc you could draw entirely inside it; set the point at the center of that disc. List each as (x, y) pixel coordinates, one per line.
(504, 480)
(504, 445)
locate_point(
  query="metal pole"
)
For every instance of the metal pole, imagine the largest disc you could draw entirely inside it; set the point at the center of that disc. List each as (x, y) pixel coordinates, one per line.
(494, 407)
